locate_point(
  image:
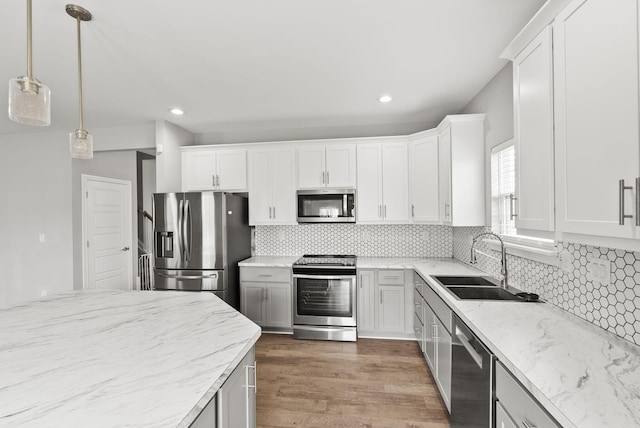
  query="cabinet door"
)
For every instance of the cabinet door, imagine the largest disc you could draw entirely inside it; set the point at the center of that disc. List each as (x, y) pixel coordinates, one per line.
(424, 181)
(366, 301)
(237, 396)
(430, 337)
(369, 197)
(231, 169)
(391, 308)
(198, 170)
(596, 116)
(340, 165)
(444, 162)
(443, 350)
(252, 302)
(283, 192)
(260, 187)
(533, 123)
(395, 183)
(279, 305)
(311, 168)
(503, 420)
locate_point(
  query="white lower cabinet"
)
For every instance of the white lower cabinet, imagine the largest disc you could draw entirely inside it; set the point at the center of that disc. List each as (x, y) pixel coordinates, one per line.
(265, 296)
(515, 407)
(437, 337)
(385, 303)
(366, 308)
(237, 397)
(234, 405)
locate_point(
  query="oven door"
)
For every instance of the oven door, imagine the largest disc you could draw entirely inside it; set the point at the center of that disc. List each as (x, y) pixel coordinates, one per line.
(324, 300)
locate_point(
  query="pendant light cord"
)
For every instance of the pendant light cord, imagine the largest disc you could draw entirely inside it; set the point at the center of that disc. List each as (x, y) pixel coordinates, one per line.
(80, 75)
(29, 41)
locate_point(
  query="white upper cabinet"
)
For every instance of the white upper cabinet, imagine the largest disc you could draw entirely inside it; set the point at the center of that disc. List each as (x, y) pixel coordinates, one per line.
(461, 163)
(214, 169)
(533, 131)
(595, 45)
(383, 183)
(331, 165)
(424, 179)
(272, 194)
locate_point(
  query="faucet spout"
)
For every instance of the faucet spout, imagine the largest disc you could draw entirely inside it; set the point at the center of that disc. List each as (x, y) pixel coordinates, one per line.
(503, 256)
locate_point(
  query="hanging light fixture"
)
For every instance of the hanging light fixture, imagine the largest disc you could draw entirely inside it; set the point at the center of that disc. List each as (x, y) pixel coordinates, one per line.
(81, 142)
(29, 100)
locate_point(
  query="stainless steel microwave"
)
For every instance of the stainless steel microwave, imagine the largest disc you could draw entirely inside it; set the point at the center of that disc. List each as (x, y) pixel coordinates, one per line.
(327, 206)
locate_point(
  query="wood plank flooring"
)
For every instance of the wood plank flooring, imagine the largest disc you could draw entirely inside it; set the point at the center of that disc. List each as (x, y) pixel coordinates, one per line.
(369, 383)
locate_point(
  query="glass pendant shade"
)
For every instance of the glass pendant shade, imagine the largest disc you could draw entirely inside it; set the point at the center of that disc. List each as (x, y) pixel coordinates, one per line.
(29, 102)
(81, 144)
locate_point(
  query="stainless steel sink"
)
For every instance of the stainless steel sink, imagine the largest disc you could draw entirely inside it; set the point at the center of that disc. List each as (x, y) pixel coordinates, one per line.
(467, 280)
(483, 293)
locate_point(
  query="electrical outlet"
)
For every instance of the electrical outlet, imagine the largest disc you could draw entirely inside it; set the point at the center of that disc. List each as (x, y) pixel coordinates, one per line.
(41, 238)
(43, 293)
(565, 261)
(599, 270)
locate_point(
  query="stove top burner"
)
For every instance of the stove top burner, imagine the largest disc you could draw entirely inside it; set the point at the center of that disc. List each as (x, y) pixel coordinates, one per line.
(328, 260)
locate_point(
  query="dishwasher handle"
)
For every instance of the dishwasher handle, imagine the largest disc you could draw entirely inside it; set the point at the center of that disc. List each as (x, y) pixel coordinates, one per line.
(466, 342)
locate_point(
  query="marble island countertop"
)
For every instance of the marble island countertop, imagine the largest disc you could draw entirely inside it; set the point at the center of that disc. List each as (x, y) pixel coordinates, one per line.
(583, 375)
(112, 358)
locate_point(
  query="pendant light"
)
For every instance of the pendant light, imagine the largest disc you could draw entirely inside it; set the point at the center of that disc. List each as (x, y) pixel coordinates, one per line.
(29, 100)
(80, 141)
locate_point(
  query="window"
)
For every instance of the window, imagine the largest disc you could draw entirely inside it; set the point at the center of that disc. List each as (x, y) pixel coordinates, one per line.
(503, 182)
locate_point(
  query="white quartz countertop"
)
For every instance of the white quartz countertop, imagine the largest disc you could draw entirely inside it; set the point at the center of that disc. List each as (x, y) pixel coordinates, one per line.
(115, 359)
(583, 375)
(269, 261)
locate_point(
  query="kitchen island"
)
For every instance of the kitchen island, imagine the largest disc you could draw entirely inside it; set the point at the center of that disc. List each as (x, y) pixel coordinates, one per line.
(113, 358)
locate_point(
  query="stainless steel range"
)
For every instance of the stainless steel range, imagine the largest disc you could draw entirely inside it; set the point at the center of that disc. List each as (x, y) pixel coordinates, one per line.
(324, 298)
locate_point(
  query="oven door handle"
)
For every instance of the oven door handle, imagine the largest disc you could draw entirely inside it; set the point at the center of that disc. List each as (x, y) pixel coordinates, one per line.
(295, 276)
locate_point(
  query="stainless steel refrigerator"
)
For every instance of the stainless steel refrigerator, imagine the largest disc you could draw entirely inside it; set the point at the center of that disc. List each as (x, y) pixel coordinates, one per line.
(199, 238)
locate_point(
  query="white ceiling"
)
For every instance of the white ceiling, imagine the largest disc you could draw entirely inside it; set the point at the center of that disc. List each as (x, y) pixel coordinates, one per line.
(249, 65)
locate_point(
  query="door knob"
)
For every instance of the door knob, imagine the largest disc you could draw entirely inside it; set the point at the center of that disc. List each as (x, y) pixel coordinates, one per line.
(125, 249)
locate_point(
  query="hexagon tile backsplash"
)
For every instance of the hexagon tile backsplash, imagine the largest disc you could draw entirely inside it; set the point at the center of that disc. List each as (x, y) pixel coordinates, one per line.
(393, 240)
(614, 307)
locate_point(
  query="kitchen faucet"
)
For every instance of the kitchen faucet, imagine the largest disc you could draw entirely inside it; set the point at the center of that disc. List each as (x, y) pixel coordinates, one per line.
(503, 259)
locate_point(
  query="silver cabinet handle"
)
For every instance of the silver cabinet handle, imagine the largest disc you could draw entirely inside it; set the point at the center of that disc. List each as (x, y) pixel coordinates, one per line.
(274, 212)
(385, 211)
(413, 211)
(512, 207)
(327, 177)
(622, 215)
(218, 180)
(526, 424)
(637, 201)
(380, 296)
(270, 212)
(446, 211)
(323, 180)
(213, 180)
(379, 211)
(125, 249)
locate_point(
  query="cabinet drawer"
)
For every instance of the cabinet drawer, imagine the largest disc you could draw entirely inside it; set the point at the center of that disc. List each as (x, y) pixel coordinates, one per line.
(438, 306)
(265, 274)
(517, 402)
(391, 277)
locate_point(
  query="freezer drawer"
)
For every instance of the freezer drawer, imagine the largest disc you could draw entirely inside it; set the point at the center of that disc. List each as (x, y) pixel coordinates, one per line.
(190, 280)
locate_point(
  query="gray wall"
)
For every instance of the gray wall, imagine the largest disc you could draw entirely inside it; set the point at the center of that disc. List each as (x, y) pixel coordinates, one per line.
(169, 139)
(116, 164)
(496, 100)
(38, 192)
(35, 189)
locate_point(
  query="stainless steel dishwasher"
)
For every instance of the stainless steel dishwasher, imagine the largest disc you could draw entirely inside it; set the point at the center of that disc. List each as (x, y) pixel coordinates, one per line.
(472, 366)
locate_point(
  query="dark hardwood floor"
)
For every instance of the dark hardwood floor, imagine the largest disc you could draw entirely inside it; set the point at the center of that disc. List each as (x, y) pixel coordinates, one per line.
(370, 383)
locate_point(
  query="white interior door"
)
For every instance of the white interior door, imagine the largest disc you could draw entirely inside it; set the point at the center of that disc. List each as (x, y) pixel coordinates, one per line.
(107, 235)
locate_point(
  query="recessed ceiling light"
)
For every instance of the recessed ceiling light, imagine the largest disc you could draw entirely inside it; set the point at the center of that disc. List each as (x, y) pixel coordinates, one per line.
(385, 98)
(177, 111)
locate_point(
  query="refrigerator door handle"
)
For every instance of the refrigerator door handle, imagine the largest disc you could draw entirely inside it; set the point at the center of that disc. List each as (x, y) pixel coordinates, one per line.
(186, 224)
(179, 228)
